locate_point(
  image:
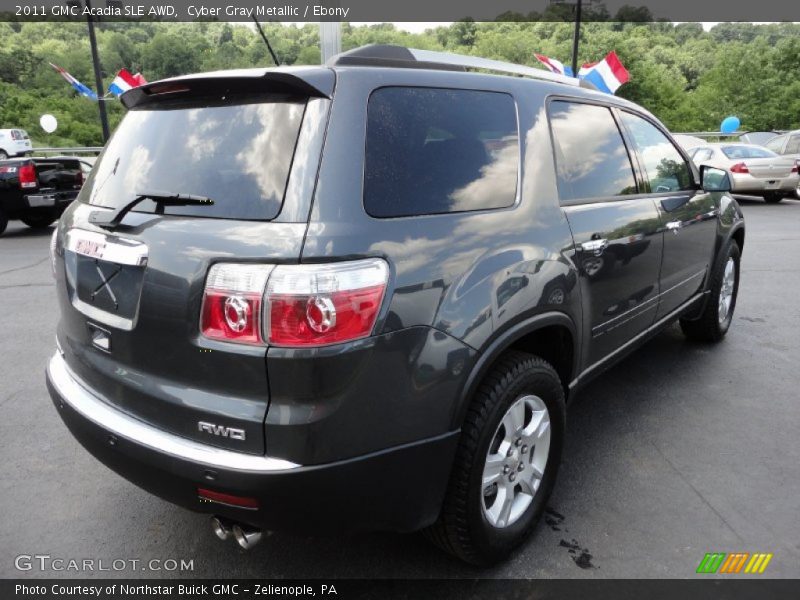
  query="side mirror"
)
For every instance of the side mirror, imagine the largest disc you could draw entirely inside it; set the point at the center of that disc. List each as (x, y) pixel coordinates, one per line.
(714, 180)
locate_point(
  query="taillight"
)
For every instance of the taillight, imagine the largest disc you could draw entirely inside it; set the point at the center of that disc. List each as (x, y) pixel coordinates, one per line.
(79, 179)
(314, 305)
(232, 302)
(740, 168)
(796, 166)
(301, 305)
(27, 176)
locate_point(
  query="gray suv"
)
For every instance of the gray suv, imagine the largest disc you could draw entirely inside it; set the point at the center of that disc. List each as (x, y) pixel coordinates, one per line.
(360, 296)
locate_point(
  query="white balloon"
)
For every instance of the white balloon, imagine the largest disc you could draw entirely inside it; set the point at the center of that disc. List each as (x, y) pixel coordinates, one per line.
(49, 123)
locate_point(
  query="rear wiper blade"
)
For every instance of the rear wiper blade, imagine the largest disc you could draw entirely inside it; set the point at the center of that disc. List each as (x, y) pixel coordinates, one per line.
(110, 220)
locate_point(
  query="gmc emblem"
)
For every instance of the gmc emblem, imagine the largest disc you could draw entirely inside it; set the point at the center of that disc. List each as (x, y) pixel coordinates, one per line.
(221, 430)
(90, 248)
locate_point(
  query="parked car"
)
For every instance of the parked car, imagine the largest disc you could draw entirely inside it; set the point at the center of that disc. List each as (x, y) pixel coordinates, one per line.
(37, 190)
(358, 302)
(758, 138)
(787, 144)
(14, 142)
(754, 170)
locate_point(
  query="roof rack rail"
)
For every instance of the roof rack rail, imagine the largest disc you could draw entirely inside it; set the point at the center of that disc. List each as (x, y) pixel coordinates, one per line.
(385, 55)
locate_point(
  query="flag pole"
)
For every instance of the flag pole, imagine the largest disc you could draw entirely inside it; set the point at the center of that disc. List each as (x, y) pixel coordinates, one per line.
(266, 41)
(98, 76)
(575, 39)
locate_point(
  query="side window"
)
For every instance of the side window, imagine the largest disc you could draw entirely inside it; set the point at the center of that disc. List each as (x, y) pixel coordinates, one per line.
(435, 151)
(701, 154)
(793, 147)
(666, 169)
(776, 143)
(591, 158)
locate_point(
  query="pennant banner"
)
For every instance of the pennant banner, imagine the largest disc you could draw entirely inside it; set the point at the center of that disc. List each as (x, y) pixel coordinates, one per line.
(79, 87)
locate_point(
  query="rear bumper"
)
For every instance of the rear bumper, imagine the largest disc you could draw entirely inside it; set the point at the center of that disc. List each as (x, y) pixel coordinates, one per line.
(398, 489)
(745, 183)
(50, 199)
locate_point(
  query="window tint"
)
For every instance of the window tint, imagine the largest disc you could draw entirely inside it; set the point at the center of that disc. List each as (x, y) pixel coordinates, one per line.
(747, 152)
(438, 151)
(238, 155)
(776, 143)
(793, 147)
(591, 158)
(664, 165)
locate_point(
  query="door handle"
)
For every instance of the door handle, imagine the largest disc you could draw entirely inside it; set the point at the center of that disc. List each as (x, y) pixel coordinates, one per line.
(595, 246)
(675, 226)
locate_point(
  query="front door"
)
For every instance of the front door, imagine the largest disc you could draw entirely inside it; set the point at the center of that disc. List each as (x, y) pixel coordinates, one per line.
(688, 215)
(616, 232)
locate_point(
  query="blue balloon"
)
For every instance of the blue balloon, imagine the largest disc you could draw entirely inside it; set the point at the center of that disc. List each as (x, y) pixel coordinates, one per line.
(729, 124)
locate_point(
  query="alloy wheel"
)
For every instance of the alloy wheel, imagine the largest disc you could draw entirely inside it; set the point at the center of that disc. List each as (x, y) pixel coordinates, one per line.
(726, 292)
(516, 461)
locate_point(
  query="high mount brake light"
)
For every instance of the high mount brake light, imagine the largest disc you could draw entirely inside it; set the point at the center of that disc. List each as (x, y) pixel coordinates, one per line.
(300, 305)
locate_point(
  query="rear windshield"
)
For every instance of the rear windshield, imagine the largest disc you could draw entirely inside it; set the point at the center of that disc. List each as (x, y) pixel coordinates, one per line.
(747, 152)
(239, 155)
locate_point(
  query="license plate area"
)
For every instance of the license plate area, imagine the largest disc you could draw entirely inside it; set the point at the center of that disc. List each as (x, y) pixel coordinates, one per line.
(35, 201)
(109, 286)
(104, 276)
(772, 184)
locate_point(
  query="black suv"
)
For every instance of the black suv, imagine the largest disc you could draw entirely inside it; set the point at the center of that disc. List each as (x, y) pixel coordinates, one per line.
(359, 296)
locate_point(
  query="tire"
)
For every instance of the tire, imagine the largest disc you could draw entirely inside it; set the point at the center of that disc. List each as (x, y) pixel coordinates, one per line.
(773, 198)
(39, 221)
(3, 221)
(3, 155)
(712, 325)
(464, 528)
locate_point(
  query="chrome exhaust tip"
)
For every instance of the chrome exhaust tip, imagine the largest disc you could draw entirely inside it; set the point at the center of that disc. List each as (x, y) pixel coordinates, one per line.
(222, 528)
(246, 536)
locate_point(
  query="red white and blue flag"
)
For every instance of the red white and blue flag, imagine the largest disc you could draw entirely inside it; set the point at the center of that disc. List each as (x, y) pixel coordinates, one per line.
(556, 66)
(79, 87)
(606, 75)
(125, 81)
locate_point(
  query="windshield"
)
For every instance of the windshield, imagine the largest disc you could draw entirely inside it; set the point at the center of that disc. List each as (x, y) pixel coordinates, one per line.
(237, 154)
(747, 152)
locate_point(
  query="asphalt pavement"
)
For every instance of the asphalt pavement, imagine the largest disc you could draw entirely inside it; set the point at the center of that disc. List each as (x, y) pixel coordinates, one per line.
(680, 450)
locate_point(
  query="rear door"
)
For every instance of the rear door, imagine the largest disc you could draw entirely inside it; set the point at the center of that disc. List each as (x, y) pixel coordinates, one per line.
(688, 215)
(131, 296)
(615, 230)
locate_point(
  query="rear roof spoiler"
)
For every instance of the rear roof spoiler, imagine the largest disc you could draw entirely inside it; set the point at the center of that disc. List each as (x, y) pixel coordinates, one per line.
(315, 82)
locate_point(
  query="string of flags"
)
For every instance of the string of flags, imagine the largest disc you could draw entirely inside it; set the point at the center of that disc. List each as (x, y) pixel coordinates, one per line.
(606, 75)
(123, 81)
(79, 87)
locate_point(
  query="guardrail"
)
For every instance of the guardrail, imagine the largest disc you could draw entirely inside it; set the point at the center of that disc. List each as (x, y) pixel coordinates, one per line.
(719, 134)
(69, 151)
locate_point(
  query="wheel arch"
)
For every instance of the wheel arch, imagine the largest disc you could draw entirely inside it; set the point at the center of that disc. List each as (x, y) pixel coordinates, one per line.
(552, 336)
(737, 235)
